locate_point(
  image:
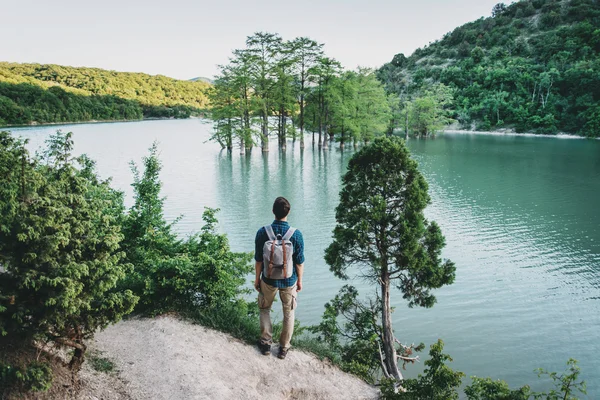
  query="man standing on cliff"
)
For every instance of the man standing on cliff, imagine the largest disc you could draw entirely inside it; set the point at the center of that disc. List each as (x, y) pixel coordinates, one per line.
(273, 274)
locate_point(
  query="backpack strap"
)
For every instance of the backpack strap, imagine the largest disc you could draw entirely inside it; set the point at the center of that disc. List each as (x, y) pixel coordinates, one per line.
(284, 260)
(272, 238)
(288, 235)
(270, 233)
(270, 269)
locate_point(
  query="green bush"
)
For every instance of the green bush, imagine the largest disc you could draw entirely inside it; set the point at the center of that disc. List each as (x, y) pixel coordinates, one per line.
(35, 377)
(60, 240)
(171, 274)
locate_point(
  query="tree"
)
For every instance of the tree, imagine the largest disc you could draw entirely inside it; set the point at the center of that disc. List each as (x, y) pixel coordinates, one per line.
(382, 232)
(264, 47)
(498, 10)
(232, 103)
(323, 74)
(285, 92)
(60, 247)
(307, 52)
(222, 98)
(372, 108)
(343, 106)
(429, 113)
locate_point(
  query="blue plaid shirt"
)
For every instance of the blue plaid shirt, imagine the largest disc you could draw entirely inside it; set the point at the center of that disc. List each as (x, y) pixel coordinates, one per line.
(280, 228)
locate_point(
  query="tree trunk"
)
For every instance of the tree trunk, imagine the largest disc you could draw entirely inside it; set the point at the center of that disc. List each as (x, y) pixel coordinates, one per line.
(302, 117)
(389, 350)
(283, 133)
(325, 128)
(265, 133)
(320, 131)
(229, 136)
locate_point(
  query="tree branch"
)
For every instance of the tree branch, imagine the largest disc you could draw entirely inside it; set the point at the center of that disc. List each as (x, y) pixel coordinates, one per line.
(383, 368)
(70, 343)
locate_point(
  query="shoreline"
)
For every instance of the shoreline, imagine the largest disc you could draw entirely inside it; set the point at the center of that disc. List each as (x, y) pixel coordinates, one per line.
(93, 121)
(559, 135)
(509, 133)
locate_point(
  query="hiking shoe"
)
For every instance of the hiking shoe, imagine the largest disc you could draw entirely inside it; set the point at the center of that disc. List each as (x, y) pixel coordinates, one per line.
(282, 353)
(265, 349)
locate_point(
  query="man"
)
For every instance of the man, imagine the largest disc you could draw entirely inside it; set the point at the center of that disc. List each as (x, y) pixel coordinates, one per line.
(287, 287)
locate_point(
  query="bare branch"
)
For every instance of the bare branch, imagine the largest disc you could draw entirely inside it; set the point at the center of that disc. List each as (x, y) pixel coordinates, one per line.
(409, 359)
(383, 368)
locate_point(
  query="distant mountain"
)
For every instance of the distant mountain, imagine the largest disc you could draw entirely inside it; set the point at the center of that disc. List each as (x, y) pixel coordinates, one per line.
(532, 66)
(203, 79)
(52, 93)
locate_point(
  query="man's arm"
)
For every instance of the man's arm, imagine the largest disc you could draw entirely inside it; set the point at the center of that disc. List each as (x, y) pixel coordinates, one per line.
(299, 258)
(299, 271)
(258, 270)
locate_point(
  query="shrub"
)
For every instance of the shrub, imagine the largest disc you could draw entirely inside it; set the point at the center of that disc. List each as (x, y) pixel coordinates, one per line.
(35, 377)
(171, 274)
(59, 245)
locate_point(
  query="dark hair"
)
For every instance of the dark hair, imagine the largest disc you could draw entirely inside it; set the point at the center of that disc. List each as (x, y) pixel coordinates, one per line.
(281, 207)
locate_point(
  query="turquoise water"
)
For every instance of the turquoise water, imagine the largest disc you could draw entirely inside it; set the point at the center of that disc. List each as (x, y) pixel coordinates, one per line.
(520, 215)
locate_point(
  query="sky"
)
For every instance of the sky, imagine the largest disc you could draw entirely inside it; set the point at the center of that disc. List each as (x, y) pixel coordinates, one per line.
(184, 39)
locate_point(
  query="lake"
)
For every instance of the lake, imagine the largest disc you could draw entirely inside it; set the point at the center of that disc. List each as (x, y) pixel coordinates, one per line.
(520, 214)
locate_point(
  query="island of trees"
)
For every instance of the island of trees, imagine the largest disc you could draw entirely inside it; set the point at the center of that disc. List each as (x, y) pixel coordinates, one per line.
(275, 87)
(34, 93)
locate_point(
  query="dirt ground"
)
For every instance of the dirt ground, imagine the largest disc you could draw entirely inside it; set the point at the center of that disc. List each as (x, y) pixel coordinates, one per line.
(166, 358)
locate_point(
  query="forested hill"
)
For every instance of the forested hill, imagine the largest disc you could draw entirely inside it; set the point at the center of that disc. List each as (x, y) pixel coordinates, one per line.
(533, 66)
(53, 93)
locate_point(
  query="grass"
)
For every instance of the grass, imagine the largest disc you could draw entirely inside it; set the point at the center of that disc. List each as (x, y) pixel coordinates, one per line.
(101, 364)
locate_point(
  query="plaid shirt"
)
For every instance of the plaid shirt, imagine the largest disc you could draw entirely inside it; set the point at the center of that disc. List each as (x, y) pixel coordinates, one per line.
(280, 228)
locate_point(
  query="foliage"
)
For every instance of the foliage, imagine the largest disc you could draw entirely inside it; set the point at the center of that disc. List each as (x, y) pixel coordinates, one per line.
(533, 66)
(439, 381)
(489, 389)
(59, 246)
(171, 274)
(382, 233)
(428, 113)
(53, 93)
(72, 258)
(35, 377)
(566, 384)
(353, 344)
(294, 84)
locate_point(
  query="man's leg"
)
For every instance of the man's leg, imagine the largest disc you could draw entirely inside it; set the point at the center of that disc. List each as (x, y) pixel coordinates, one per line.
(288, 299)
(265, 300)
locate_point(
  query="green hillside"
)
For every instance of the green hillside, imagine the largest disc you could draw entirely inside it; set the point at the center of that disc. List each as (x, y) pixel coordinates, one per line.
(53, 93)
(533, 66)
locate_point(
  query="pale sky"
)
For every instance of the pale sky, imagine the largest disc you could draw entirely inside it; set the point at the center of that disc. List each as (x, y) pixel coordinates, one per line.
(184, 39)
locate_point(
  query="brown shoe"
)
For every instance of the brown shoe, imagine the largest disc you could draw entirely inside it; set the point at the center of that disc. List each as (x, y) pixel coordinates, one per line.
(282, 353)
